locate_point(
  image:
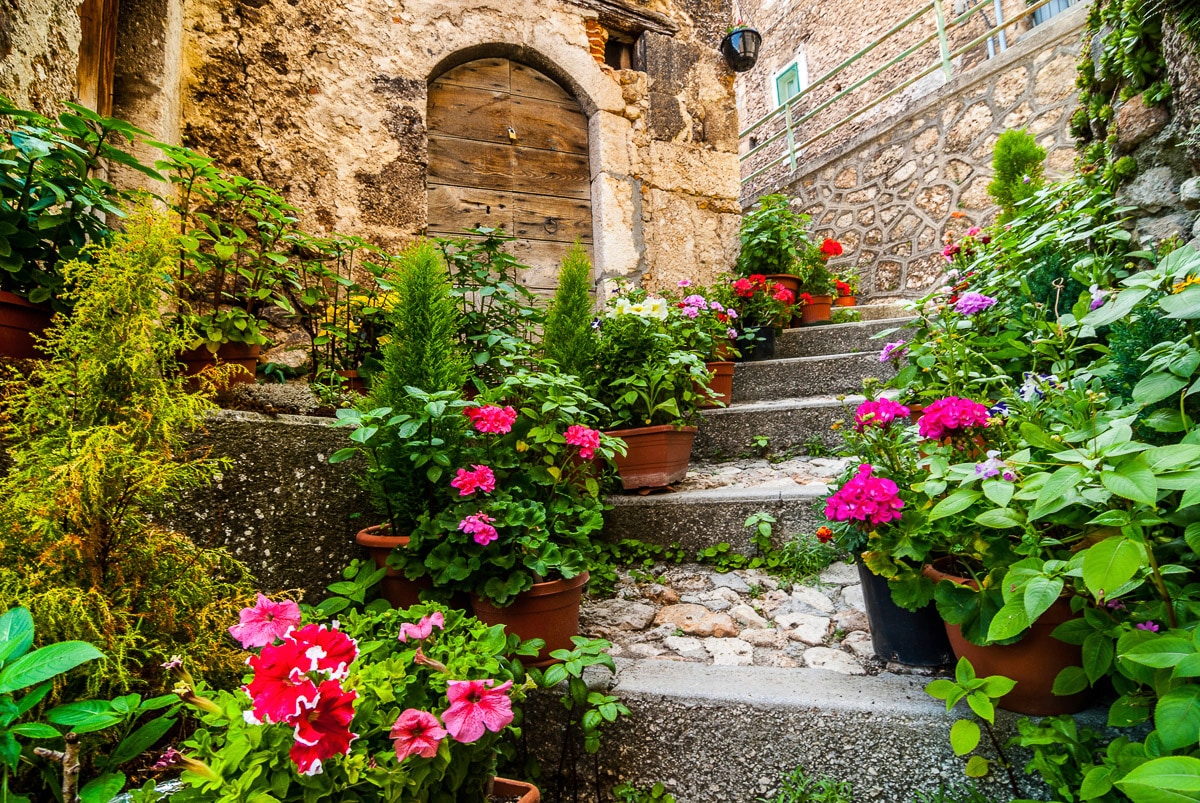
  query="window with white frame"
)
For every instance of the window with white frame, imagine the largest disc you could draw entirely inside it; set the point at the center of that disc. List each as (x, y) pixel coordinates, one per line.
(791, 80)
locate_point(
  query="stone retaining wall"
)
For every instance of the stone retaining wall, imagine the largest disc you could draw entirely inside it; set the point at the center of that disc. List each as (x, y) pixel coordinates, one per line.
(896, 191)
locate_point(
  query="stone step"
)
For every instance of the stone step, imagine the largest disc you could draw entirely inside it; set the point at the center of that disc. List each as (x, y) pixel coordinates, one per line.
(699, 519)
(763, 380)
(728, 733)
(787, 424)
(839, 338)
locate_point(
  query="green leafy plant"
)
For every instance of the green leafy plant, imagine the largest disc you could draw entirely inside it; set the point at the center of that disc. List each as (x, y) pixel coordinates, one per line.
(568, 337)
(772, 237)
(628, 793)
(981, 695)
(1016, 169)
(798, 787)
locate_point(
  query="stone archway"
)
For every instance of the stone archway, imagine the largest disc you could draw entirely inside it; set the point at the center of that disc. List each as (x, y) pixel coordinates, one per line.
(508, 147)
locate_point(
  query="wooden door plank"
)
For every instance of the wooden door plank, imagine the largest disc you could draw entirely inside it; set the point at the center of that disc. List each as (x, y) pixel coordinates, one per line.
(544, 260)
(550, 172)
(530, 83)
(452, 209)
(478, 114)
(465, 163)
(549, 125)
(546, 217)
(490, 74)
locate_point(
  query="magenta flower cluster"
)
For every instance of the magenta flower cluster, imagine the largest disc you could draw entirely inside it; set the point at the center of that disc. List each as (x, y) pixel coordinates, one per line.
(951, 415)
(971, 303)
(874, 500)
(879, 414)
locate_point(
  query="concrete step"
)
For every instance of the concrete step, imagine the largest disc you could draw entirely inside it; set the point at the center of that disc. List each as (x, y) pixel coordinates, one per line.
(727, 733)
(787, 424)
(839, 338)
(762, 380)
(703, 518)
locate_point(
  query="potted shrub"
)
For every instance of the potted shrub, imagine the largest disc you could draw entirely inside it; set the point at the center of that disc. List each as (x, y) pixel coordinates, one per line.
(44, 163)
(240, 237)
(740, 47)
(701, 323)
(760, 308)
(380, 703)
(846, 283)
(774, 239)
(817, 282)
(648, 383)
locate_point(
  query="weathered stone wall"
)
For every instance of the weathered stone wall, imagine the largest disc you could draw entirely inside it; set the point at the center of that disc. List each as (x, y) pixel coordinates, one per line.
(328, 101)
(892, 194)
(39, 53)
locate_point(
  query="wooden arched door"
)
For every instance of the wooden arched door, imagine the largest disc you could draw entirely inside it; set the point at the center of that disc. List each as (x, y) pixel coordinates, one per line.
(509, 147)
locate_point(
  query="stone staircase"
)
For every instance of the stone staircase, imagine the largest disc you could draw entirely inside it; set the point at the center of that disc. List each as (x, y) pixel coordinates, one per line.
(714, 732)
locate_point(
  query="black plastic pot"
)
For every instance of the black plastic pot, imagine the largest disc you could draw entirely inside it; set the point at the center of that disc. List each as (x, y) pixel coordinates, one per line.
(740, 48)
(757, 343)
(916, 638)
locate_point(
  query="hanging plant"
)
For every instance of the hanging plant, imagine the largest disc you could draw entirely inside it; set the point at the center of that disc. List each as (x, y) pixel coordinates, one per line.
(740, 47)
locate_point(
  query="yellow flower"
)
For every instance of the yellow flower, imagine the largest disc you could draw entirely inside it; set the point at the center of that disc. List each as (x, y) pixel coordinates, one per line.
(1189, 281)
(522, 446)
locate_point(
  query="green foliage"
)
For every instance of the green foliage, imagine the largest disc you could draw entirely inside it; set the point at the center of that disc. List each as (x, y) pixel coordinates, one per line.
(500, 316)
(798, 787)
(773, 237)
(981, 695)
(628, 793)
(800, 557)
(588, 710)
(568, 337)
(53, 199)
(954, 794)
(99, 444)
(631, 553)
(1017, 170)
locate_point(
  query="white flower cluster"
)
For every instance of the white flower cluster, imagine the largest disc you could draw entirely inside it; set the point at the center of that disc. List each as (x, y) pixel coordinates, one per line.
(650, 308)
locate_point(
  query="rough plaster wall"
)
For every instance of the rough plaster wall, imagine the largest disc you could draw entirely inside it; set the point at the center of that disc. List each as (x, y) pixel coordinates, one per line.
(328, 102)
(39, 53)
(891, 195)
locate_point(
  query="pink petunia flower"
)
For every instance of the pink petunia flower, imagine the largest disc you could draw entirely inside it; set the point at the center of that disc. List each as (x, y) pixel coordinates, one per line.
(279, 688)
(893, 351)
(475, 708)
(323, 728)
(480, 478)
(265, 622)
(492, 419)
(588, 440)
(417, 733)
(326, 651)
(422, 629)
(479, 526)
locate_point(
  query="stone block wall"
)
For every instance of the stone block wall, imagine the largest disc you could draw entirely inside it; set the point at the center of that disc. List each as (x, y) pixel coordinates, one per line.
(894, 192)
(39, 53)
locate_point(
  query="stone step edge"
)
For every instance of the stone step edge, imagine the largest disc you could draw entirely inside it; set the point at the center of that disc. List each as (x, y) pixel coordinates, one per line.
(791, 403)
(870, 323)
(813, 358)
(726, 494)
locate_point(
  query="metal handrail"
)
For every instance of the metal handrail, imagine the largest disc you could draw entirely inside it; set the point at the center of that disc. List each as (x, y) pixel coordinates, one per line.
(945, 62)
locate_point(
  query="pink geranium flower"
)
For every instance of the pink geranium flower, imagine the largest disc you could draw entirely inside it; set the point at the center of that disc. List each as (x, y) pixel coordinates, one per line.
(950, 416)
(490, 418)
(879, 414)
(866, 498)
(475, 708)
(265, 622)
(588, 440)
(422, 629)
(479, 526)
(480, 478)
(417, 732)
(323, 727)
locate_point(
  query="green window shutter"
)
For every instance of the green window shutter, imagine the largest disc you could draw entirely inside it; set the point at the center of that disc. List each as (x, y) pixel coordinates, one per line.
(787, 84)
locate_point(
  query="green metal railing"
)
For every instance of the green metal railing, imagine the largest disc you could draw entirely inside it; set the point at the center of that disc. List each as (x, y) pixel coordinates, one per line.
(788, 133)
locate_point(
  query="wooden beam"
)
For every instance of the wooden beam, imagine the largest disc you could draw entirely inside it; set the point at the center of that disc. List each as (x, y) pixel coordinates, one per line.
(618, 15)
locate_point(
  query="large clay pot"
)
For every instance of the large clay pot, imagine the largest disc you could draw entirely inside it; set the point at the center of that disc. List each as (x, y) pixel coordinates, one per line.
(398, 590)
(655, 456)
(845, 301)
(20, 321)
(721, 384)
(352, 382)
(916, 638)
(549, 611)
(817, 311)
(242, 355)
(1034, 661)
(503, 788)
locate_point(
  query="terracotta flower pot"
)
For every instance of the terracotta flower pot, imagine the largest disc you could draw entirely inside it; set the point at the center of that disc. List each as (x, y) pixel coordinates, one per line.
(655, 456)
(505, 789)
(353, 382)
(398, 590)
(721, 384)
(243, 355)
(845, 301)
(819, 311)
(20, 321)
(791, 283)
(1033, 662)
(549, 611)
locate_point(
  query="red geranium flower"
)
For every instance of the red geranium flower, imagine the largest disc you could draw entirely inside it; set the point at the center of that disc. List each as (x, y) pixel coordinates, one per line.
(831, 248)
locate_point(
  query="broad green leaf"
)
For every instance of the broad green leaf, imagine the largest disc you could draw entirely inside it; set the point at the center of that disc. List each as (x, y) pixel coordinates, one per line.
(1160, 652)
(956, 502)
(1040, 594)
(45, 663)
(140, 740)
(1110, 564)
(1184, 305)
(16, 634)
(1000, 519)
(999, 491)
(35, 730)
(1097, 782)
(1156, 387)
(1133, 480)
(1170, 779)
(977, 767)
(1009, 621)
(964, 736)
(102, 789)
(1177, 717)
(1098, 651)
(1071, 680)
(1053, 492)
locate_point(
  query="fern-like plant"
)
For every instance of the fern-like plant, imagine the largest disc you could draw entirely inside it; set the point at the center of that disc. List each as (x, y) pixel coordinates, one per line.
(100, 440)
(1017, 170)
(569, 338)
